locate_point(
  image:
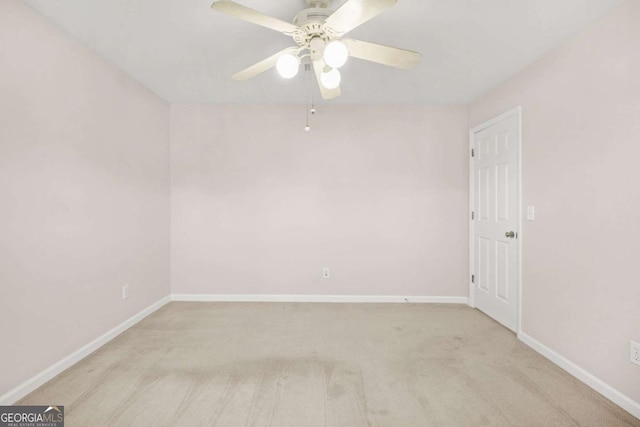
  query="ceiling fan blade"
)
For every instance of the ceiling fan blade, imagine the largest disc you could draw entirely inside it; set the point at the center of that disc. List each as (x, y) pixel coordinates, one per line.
(391, 56)
(262, 66)
(318, 67)
(247, 14)
(354, 13)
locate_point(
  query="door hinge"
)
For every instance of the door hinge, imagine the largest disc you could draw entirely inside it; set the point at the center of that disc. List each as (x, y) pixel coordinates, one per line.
(473, 152)
(473, 215)
(473, 278)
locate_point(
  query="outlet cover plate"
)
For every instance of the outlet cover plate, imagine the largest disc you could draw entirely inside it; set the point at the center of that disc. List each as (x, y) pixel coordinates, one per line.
(125, 291)
(634, 355)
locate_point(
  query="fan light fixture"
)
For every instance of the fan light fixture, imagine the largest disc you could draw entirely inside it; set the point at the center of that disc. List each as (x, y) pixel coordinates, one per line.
(288, 65)
(330, 79)
(336, 54)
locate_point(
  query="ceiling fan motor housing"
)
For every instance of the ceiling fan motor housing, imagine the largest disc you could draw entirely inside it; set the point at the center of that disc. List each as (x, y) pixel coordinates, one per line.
(311, 24)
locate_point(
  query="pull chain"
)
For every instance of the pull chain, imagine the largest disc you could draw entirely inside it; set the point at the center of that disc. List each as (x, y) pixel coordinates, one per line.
(307, 69)
(313, 104)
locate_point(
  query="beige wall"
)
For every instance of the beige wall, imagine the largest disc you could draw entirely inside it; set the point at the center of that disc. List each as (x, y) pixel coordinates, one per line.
(84, 196)
(377, 194)
(581, 124)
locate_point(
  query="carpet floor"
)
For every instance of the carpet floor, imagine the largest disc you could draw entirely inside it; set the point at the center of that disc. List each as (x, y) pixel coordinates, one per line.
(304, 365)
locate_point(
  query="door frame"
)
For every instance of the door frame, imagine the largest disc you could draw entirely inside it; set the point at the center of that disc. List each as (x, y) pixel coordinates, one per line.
(517, 111)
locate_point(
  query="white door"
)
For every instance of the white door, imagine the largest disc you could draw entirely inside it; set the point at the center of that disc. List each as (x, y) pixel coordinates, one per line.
(496, 218)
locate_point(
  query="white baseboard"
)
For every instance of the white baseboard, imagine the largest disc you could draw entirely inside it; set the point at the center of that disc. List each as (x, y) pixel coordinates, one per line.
(319, 298)
(33, 383)
(620, 399)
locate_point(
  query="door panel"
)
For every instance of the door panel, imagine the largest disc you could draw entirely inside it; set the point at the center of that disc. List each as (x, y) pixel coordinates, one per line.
(496, 204)
(484, 194)
(483, 262)
(502, 274)
(502, 190)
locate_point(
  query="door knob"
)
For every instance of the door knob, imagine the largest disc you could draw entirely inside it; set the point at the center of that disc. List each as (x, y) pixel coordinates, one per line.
(510, 234)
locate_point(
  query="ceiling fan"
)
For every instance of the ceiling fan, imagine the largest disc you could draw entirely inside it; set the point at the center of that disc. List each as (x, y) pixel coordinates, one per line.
(317, 32)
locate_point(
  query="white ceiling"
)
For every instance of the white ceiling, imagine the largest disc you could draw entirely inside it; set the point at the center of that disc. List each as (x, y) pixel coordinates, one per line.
(186, 52)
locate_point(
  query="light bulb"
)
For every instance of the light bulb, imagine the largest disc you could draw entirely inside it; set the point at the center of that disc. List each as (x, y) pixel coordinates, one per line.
(288, 65)
(336, 54)
(331, 79)
(307, 128)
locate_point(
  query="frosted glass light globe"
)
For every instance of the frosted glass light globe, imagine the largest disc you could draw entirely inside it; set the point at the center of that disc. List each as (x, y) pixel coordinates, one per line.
(331, 79)
(288, 65)
(336, 54)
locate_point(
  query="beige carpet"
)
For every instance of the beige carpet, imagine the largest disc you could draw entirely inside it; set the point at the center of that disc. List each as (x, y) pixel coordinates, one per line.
(276, 364)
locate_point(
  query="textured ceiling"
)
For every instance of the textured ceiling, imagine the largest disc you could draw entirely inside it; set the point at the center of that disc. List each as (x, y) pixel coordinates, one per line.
(186, 52)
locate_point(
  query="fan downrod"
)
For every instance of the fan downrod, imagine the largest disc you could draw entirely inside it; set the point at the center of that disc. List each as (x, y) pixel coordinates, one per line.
(318, 4)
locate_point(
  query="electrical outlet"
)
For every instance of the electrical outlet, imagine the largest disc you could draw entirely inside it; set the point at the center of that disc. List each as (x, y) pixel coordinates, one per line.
(326, 273)
(125, 291)
(634, 355)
